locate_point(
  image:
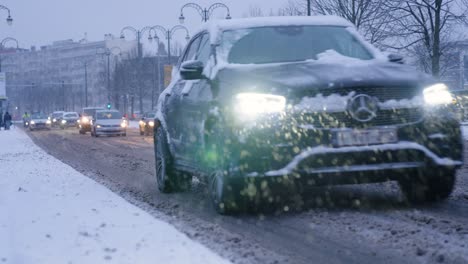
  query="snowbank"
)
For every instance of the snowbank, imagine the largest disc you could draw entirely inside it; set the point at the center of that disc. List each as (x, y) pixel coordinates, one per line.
(53, 214)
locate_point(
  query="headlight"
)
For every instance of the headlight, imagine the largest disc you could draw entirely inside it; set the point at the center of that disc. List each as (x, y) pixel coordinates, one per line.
(64, 121)
(151, 123)
(123, 124)
(98, 126)
(85, 120)
(142, 123)
(32, 122)
(250, 105)
(48, 122)
(54, 120)
(437, 94)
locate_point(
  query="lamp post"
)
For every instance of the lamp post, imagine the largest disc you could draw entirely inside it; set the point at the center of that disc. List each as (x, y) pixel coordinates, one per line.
(205, 13)
(108, 52)
(169, 33)
(2, 45)
(139, 34)
(308, 8)
(9, 20)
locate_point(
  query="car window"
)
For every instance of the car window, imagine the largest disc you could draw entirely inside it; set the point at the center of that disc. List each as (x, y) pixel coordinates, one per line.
(71, 115)
(192, 49)
(108, 115)
(150, 115)
(291, 43)
(204, 51)
(39, 116)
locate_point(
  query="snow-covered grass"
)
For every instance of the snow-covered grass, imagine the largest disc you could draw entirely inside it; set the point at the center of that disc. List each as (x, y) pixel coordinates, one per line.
(51, 213)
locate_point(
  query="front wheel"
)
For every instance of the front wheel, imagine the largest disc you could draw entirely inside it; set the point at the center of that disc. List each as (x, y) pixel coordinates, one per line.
(166, 176)
(225, 192)
(429, 186)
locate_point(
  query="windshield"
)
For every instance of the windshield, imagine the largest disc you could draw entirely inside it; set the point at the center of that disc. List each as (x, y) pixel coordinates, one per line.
(39, 116)
(57, 114)
(71, 115)
(151, 115)
(89, 112)
(290, 43)
(109, 115)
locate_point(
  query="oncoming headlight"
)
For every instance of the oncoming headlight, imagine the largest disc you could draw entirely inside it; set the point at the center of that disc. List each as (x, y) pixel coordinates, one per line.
(151, 123)
(64, 121)
(437, 94)
(48, 122)
(123, 124)
(251, 105)
(85, 120)
(54, 120)
(32, 122)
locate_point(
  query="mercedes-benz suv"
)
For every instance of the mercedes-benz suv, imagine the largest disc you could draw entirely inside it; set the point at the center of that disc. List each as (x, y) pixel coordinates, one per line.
(258, 104)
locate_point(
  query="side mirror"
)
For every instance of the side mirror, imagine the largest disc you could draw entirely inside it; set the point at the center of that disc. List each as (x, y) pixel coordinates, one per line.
(396, 58)
(192, 70)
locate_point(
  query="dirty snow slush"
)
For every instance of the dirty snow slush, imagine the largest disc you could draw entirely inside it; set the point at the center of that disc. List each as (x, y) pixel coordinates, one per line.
(342, 224)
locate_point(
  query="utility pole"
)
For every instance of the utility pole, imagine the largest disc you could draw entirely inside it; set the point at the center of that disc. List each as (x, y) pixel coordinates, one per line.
(308, 8)
(63, 96)
(108, 77)
(86, 83)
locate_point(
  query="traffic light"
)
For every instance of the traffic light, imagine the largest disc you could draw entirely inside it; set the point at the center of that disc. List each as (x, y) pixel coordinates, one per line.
(109, 106)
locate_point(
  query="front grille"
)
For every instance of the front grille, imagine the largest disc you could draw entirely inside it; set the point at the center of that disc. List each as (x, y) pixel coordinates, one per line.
(344, 119)
(110, 126)
(381, 93)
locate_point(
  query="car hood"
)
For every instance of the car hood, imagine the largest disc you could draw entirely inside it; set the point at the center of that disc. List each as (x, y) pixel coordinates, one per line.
(107, 122)
(315, 77)
(39, 120)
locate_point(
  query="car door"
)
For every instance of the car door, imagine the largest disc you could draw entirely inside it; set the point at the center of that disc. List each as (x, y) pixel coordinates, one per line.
(196, 101)
(172, 106)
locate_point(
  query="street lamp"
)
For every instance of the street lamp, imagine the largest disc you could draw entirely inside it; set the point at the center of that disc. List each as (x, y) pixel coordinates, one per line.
(9, 20)
(108, 52)
(139, 34)
(169, 33)
(2, 46)
(205, 13)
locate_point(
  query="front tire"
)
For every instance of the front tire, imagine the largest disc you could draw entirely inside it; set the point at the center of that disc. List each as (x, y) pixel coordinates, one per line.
(224, 187)
(429, 186)
(166, 176)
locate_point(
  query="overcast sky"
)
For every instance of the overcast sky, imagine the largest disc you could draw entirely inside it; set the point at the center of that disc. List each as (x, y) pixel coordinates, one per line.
(39, 22)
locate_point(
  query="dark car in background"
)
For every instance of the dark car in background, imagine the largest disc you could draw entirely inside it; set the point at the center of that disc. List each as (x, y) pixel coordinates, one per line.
(69, 119)
(86, 116)
(146, 124)
(55, 118)
(318, 107)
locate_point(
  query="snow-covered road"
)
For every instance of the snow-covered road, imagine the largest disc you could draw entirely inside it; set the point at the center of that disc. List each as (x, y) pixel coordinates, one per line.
(53, 214)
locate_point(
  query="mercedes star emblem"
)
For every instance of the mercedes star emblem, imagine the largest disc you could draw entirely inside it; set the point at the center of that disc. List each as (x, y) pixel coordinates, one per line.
(363, 108)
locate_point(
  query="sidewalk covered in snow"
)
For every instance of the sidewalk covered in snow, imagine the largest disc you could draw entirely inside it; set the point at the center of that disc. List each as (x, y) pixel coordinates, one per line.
(53, 214)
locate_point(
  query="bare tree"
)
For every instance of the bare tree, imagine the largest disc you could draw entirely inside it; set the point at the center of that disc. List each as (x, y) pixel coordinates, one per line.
(428, 25)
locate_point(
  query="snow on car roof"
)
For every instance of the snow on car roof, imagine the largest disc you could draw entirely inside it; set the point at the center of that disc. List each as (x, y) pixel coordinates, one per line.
(216, 26)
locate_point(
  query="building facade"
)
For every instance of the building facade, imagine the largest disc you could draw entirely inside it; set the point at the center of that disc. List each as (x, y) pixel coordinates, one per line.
(58, 76)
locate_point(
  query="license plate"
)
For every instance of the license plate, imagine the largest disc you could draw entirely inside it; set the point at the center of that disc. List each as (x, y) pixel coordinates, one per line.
(356, 137)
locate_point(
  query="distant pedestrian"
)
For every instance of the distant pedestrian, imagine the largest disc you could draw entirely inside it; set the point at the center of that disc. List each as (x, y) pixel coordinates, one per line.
(25, 119)
(7, 120)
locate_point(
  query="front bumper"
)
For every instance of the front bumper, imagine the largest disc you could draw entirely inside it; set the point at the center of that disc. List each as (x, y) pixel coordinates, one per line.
(276, 150)
(39, 126)
(111, 131)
